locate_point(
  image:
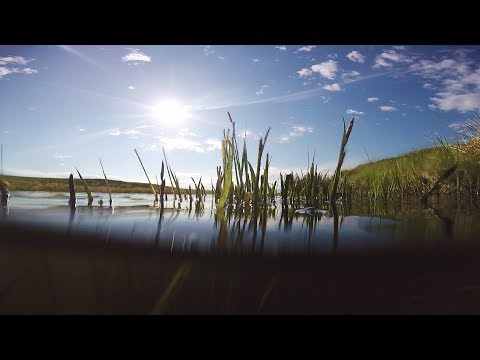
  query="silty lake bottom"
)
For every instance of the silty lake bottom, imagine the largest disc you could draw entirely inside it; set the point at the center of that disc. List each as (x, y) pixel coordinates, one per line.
(367, 257)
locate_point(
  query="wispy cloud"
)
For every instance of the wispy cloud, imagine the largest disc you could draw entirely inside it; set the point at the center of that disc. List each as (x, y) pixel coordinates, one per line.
(305, 48)
(354, 112)
(327, 69)
(304, 73)
(388, 108)
(247, 134)
(355, 56)
(455, 79)
(17, 60)
(77, 53)
(259, 92)
(137, 57)
(462, 103)
(295, 131)
(61, 157)
(132, 133)
(282, 48)
(207, 50)
(8, 61)
(333, 87)
(220, 58)
(186, 140)
(372, 99)
(288, 96)
(255, 60)
(131, 87)
(350, 76)
(399, 47)
(389, 57)
(5, 71)
(438, 70)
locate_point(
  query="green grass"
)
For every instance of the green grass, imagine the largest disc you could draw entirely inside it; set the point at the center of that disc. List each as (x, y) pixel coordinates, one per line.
(416, 172)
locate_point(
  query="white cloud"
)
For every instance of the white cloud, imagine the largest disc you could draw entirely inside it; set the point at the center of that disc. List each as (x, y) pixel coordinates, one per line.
(325, 99)
(26, 71)
(81, 129)
(387, 58)
(206, 50)
(355, 56)
(399, 47)
(302, 73)
(282, 48)
(333, 87)
(354, 112)
(295, 131)
(259, 92)
(458, 85)
(255, 60)
(61, 156)
(18, 60)
(327, 69)
(350, 76)
(186, 141)
(131, 87)
(133, 134)
(432, 106)
(372, 99)
(136, 55)
(435, 70)
(462, 103)
(220, 57)
(388, 108)
(247, 134)
(6, 70)
(306, 48)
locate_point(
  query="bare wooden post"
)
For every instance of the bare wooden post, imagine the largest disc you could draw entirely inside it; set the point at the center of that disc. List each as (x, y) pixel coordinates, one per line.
(73, 200)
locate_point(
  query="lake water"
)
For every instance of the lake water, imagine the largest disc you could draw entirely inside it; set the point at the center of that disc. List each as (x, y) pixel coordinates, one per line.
(135, 219)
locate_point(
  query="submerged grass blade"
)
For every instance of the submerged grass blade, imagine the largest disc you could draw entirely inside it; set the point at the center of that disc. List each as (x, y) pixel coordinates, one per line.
(163, 303)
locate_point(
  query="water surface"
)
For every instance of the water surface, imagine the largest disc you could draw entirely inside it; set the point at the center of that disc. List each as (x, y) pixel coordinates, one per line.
(136, 219)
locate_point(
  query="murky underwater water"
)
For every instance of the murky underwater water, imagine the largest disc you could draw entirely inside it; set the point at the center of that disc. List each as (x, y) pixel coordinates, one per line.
(136, 219)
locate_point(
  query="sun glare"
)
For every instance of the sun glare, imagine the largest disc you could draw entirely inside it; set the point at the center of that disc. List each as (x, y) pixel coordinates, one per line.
(171, 113)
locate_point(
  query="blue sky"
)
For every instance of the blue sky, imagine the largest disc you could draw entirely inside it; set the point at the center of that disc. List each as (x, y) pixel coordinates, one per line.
(66, 106)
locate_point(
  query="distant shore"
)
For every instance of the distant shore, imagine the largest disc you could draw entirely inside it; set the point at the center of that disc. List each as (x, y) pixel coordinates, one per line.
(21, 183)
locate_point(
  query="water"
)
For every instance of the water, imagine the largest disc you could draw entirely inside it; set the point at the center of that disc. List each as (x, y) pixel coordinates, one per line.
(136, 219)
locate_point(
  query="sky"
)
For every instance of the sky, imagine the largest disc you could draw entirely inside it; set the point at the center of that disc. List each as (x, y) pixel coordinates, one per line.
(64, 106)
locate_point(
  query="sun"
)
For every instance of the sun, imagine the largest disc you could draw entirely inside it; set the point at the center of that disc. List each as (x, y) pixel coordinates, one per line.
(171, 113)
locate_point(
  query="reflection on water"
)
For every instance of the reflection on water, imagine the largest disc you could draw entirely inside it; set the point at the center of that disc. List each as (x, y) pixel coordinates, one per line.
(275, 230)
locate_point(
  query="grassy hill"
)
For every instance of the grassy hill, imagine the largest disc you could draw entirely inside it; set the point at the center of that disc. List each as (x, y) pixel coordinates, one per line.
(20, 183)
(415, 172)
